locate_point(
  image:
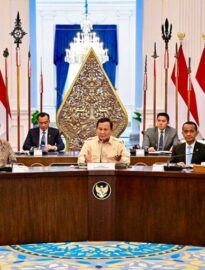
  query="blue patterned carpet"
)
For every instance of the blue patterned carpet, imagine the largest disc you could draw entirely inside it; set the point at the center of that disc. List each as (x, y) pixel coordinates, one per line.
(101, 255)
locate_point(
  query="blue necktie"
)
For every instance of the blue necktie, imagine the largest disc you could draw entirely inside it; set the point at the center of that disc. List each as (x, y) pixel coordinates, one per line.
(189, 155)
(161, 142)
(43, 140)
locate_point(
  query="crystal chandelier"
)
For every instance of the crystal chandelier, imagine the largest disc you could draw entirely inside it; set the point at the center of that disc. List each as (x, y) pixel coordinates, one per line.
(85, 40)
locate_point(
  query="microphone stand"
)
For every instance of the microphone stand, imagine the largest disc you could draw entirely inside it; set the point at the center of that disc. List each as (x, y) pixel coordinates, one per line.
(174, 166)
(101, 151)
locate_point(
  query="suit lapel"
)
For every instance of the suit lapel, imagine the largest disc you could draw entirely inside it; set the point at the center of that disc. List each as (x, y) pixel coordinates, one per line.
(49, 136)
(195, 152)
(156, 137)
(183, 152)
(166, 136)
(36, 136)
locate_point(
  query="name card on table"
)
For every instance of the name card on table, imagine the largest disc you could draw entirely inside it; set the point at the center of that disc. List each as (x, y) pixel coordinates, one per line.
(19, 168)
(37, 152)
(140, 152)
(101, 166)
(158, 167)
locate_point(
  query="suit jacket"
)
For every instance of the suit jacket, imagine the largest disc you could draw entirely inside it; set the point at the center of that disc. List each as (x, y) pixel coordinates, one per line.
(151, 138)
(53, 138)
(179, 153)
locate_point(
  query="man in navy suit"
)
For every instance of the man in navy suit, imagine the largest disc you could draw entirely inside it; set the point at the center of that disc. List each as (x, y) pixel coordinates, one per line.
(191, 151)
(43, 136)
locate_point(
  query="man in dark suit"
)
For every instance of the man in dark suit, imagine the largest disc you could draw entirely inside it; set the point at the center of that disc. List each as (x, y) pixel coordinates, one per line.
(191, 151)
(162, 137)
(43, 136)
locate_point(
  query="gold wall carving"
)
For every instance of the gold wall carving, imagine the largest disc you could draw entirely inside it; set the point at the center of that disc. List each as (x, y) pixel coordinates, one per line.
(90, 97)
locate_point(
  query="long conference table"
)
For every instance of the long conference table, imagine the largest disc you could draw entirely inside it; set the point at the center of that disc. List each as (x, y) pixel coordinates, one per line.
(54, 204)
(71, 157)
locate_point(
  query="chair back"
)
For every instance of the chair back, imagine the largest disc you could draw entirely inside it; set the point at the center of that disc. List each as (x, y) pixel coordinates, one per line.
(37, 164)
(140, 164)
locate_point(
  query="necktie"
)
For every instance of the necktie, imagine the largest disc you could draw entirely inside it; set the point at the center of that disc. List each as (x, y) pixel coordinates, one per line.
(43, 140)
(189, 155)
(161, 142)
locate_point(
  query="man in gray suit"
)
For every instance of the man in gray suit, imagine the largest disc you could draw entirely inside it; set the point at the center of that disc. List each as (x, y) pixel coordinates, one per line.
(162, 137)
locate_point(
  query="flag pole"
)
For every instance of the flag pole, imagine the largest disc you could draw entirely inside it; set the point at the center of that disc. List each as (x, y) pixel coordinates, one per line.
(189, 90)
(18, 94)
(29, 89)
(176, 88)
(155, 84)
(6, 54)
(166, 36)
(41, 88)
(18, 34)
(145, 95)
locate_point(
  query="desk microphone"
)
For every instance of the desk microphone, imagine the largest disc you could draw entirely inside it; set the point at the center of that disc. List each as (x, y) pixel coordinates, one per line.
(101, 151)
(174, 166)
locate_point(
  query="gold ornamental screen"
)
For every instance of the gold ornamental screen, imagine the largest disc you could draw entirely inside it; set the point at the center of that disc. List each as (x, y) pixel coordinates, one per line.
(90, 97)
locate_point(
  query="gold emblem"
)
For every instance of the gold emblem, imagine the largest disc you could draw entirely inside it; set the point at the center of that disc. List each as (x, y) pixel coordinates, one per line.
(90, 97)
(101, 190)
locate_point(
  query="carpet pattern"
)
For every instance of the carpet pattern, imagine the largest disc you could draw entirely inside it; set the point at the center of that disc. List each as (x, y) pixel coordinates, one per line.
(101, 255)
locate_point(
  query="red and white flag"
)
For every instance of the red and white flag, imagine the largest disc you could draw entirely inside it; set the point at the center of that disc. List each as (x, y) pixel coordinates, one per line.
(200, 75)
(4, 105)
(3, 95)
(183, 84)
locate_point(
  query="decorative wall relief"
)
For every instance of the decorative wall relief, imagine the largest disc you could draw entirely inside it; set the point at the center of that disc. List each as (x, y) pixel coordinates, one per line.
(90, 97)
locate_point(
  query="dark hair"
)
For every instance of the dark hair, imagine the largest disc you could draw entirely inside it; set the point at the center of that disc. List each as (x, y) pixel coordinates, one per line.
(190, 123)
(103, 120)
(42, 114)
(163, 114)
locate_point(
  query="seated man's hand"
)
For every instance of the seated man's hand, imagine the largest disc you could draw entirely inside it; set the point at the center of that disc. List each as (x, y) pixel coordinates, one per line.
(118, 157)
(88, 157)
(182, 164)
(49, 147)
(151, 149)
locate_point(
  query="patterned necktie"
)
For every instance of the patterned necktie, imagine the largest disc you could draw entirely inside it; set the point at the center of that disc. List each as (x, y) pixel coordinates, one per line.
(189, 155)
(161, 141)
(43, 140)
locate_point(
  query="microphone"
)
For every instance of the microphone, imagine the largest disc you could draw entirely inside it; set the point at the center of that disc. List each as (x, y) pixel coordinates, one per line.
(101, 151)
(6, 168)
(174, 166)
(31, 151)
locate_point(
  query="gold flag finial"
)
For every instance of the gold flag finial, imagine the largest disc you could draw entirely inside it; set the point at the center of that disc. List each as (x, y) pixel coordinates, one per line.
(203, 36)
(181, 36)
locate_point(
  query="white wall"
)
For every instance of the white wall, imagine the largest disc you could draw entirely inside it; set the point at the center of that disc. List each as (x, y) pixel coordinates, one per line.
(9, 11)
(186, 16)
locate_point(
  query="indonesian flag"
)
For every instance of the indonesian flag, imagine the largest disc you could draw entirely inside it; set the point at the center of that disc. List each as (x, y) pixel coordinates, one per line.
(4, 106)
(3, 95)
(200, 75)
(183, 84)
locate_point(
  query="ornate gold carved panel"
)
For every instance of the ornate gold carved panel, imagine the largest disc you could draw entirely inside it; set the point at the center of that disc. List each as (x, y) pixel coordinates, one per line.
(90, 97)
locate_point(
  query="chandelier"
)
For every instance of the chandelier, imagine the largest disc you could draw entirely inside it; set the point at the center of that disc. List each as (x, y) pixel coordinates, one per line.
(85, 40)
